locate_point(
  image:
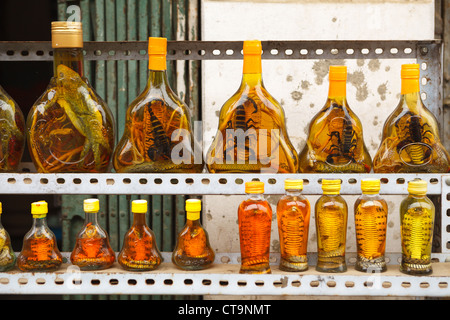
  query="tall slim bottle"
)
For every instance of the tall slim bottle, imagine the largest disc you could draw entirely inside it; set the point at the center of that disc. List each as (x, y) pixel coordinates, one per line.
(371, 213)
(335, 140)
(92, 250)
(39, 250)
(293, 214)
(12, 127)
(7, 255)
(331, 227)
(139, 251)
(70, 128)
(410, 141)
(416, 229)
(255, 221)
(158, 134)
(192, 250)
(252, 135)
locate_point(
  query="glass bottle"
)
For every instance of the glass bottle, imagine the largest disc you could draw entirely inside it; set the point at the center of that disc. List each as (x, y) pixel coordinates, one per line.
(371, 213)
(410, 141)
(7, 255)
(293, 214)
(12, 127)
(335, 142)
(139, 251)
(39, 250)
(70, 128)
(192, 250)
(416, 229)
(252, 135)
(255, 220)
(158, 133)
(92, 250)
(331, 227)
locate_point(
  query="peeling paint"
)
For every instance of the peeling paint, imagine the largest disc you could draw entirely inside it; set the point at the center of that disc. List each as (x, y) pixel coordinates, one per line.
(305, 84)
(357, 80)
(296, 95)
(382, 89)
(374, 65)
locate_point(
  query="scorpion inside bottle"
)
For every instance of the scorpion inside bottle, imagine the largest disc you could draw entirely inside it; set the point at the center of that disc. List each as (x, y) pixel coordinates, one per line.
(7, 256)
(416, 229)
(255, 220)
(331, 228)
(410, 141)
(70, 127)
(139, 251)
(92, 250)
(39, 249)
(192, 250)
(335, 140)
(370, 226)
(252, 135)
(158, 133)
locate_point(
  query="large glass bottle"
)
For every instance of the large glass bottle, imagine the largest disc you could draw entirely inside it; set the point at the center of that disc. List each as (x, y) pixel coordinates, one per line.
(255, 221)
(416, 229)
(192, 250)
(371, 213)
(252, 135)
(7, 255)
(293, 214)
(139, 251)
(158, 135)
(331, 228)
(335, 140)
(39, 250)
(70, 128)
(410, 141)
(92, 250)
(12, 127)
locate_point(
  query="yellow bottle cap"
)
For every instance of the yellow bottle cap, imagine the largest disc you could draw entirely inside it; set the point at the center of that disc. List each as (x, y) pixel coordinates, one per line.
(254, 187)
(91, 205)
(67, 34)
(417, 187)
(252, 51)
(139, 206)
(337, 73)
(193, 208)
(293, 184)
(1, 209)
(370, 186)
(39, 209)
(331, 186)
(157, 50)
(410, 71)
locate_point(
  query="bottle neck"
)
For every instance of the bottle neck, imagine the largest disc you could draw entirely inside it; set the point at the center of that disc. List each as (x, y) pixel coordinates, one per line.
(255, 196)
(157, 78)
(70, 57)
(337, 90)
(91, 217)
(39, 222)
(1, 226)
(252, 70)
(139, 219)
(293, 192)
(410, 86)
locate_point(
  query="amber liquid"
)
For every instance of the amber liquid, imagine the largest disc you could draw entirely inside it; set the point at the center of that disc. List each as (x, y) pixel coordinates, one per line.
(370, 226)
(417, 221)
(193, 251)
(139, 251)
(255, 219)
(7, 256)
(293, 214)
(331, 228)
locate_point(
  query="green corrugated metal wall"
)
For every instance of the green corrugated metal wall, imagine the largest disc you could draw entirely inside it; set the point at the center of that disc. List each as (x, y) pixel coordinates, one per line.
(119, 83)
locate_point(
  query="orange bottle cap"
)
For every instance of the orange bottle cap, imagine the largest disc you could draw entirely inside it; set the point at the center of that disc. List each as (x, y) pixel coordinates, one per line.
(338, 73)
(252, 47)
(157, 50)
(252, 56)
(254, 187)
(410, 71)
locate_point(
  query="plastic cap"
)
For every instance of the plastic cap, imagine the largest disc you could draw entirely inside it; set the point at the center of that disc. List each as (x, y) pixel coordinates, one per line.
(331, 186)
(193, 205)
(39, 208)
(417, 187)
(252, 47)
(293, 184)
(91, 205)
(337, 73)
(254, 187)
(1, 209)
(67, 34)
(157, 45)
(139, 206)
(370, 185)
(410, 71)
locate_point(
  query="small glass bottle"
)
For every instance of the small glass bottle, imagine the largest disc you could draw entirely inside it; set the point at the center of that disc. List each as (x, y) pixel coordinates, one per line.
(371, 213)
(39, 250)
(92, 250)
(331, 227)
(416, 229)
(7, 256)
(255, 221)
(293, 214)
(139, 251)
(192, 250)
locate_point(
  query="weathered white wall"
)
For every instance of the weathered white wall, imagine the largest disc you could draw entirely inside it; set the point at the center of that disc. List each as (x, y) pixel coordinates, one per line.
(301, 86)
